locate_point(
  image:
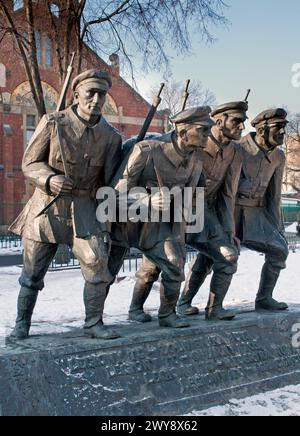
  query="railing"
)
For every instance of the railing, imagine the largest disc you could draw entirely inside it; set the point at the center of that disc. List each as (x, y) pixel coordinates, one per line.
(293, 241)
(7, 242)
(132, 262)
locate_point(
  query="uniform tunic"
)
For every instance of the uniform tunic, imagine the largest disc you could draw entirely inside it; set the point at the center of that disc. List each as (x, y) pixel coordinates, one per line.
(92, 156)
(259, 222)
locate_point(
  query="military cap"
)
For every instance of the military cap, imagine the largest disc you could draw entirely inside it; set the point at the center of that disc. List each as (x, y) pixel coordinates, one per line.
(101, 79)
(270, 116)
(197, 115)
(231, 108)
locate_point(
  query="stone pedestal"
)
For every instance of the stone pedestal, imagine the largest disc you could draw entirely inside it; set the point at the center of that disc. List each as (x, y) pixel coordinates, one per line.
(150, 371)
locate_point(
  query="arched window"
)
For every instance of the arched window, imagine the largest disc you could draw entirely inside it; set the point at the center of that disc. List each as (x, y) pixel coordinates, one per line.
(48, 52)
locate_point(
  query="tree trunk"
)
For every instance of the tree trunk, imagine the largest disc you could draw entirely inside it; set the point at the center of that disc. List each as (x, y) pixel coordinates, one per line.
(33, 61)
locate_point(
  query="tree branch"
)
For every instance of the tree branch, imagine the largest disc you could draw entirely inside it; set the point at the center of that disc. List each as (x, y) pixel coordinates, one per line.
(119, 10)
(20, 44)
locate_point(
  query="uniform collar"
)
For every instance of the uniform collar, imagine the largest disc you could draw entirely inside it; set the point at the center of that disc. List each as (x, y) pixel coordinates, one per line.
(172, 154)
(79, 126)
(214, 147)
(267, 154)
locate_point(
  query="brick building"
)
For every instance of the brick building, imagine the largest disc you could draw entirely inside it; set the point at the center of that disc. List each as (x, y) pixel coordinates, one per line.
(125, 108)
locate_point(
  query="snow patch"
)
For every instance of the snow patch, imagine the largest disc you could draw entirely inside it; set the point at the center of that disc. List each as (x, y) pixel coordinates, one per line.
(281, 402)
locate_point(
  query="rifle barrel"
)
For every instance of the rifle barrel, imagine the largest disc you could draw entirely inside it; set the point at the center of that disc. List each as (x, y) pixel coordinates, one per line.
(247, 95)
(185, 95)
(151, 113)
(63, 95)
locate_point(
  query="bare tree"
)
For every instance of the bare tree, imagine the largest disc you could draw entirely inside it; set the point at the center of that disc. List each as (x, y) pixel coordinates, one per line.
(173, 92)
(292, 149)
(135, 29)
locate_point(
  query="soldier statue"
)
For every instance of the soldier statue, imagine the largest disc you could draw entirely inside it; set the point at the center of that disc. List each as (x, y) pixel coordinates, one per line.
(217, 245)
(259, 222)
(172, 160)
(71, 154)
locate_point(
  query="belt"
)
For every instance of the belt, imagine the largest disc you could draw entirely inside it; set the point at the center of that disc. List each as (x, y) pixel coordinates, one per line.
(248, 201)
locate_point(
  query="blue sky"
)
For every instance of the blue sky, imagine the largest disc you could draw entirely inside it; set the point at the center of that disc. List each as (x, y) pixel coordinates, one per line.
(257, 51)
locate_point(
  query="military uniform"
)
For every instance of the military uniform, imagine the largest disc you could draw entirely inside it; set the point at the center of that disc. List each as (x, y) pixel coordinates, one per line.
(258, 215)
(92, 154)
(156, 164)
(217, 250)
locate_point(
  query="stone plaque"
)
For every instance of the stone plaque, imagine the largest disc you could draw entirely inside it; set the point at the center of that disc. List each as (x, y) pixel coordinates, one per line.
(150, 371)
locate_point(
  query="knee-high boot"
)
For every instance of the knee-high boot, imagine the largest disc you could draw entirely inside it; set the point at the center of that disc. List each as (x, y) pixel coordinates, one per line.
(141, 292)
(26, 303)
(193, 283)
(169, 294)
(219, 287)
(264, 298)
(94, 299)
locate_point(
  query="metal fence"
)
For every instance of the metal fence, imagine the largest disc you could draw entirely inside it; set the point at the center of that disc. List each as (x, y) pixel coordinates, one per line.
(7, 242)
(132, 262)
(65, 258)
(293, 241)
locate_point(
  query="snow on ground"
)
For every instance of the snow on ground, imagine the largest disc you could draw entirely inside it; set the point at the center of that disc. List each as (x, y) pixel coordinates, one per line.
(10, 251)
(293, 228)
(282, 402)
(60, 304)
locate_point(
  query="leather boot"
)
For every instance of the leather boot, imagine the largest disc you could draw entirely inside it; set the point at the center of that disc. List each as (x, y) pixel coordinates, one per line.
(173, 321)
(100, 331)
(94, 299)
(26, 303)
(193, 283)
(220, 284)
(215, 311)
(169, 294)
(264, 298)
(141, 292)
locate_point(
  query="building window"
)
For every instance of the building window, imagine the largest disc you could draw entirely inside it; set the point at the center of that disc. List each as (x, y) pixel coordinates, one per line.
(30, 127)
(43, 49)
(18, 4)
(7, 130)
(38, 47)
(54, 10)
(48, 52)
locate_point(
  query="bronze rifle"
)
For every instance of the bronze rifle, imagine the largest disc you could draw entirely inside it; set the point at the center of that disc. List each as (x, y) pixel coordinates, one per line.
(61, 106)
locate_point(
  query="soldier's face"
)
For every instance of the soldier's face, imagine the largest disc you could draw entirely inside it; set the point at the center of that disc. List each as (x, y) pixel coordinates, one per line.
(195, 136)
(90, 100)
(276, 135)
(233, 126)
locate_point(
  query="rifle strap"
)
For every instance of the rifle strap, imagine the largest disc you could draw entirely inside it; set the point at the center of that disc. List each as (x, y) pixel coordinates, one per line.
(61, 149)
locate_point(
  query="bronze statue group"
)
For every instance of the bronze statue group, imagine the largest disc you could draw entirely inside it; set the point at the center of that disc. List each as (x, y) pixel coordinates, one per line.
(74, 152)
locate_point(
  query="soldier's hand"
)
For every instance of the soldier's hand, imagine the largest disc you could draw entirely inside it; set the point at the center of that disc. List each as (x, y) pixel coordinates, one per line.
(161, 201)
(61, 185)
